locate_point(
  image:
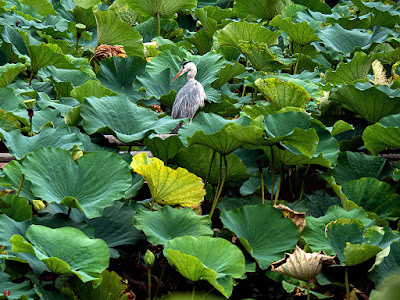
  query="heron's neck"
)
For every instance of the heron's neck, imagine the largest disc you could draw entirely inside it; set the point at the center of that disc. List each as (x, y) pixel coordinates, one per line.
(191, 74)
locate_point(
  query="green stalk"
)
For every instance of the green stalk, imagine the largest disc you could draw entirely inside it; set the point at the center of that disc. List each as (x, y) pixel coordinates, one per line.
(30, 124)
(220, 184)
(206, 295)
(194, 290)
(20, 185)
(346, 282)
(209, 169)
(149, 283)
(160, 280)
(262, 188)
(244, 87)
(77, 41)
(30, 78)
(254, 96)
(159, 24)
(297, 61)
(308, 290)
(303, 183)
(273, 175)
(279, 186)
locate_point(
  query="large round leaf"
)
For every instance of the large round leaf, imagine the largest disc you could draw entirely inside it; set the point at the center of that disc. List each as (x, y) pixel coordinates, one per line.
(112, 31)
(167, 223)
(128, 121)
(209, 130)
(235, 32)
(282, 94)
(263, 231)
(65, 250)
(371, 102)
(169, 186)
(355, 165)
(265, 9)
(314, 232)
(374, 196)
(382, 135)
(213, 259)
(389, 266)
(20, 145)
(93, 87)
(299, 33)
(92, 183)
(164, 8)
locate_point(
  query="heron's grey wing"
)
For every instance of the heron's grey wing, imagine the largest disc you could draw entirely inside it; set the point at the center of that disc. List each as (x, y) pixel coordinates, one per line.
(188, 100)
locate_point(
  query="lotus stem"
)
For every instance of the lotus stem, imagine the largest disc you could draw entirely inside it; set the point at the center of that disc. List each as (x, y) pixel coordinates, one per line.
(206, 295)
(69, 211)
(303, 182)
(77, 41)
(273, 175)
(151, 205)
(159, 23)
(30, 126)
(20, 185)
(262, 188)
(209, 169)
(346, 282)
(160, 280)
(149, 283)
(279, 186)
(244, 87)
(194, 290)
(31, 78)
(220, 183)
(297, 61)
(308, 290)
(254, 97)
(138, 261)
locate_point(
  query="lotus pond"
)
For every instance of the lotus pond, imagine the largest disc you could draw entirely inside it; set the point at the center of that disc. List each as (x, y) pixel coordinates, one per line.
(278, 189)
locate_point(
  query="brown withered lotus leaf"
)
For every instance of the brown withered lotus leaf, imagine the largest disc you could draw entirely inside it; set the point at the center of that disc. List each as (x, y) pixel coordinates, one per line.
(298, 218)
(104, 51)
(302, 265)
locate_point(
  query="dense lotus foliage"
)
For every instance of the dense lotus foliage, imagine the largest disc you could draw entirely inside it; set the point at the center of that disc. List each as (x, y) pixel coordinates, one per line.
(296, 148)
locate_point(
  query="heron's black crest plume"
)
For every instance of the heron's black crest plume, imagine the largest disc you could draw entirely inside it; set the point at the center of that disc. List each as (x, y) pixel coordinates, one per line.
(185, 62)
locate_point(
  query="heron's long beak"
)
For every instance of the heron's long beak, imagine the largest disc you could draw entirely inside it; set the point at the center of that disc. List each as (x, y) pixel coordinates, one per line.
(179, 74)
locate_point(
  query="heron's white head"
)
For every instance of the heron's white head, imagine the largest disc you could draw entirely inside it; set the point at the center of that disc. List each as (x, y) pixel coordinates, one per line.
(189, 67)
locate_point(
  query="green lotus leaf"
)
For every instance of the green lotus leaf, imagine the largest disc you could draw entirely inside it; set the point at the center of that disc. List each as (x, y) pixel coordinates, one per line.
(8, 228)
(357, 68)
(381, 14)
(382, 135)
(41, 7)
(351, 22)
(315, 5)
(389, 266)
(228, 72)
(355, 165)
(210, 130)
(169, 29)
(290, 128)
(63, 76)
(134, 123)
(371, 102)
(8, 121)
(346, 238)
(112, 287)
(20, 145)
(375, 196)
(20, 209)
(91, 88)
(9, 71)
(13, 179)
(197, 159)
(345, 41)
(17, 290)
(115, 225)
(213, 259)
(341, 126)
(92, 183)
(118, 74)
(201, 41)
(282, 94)
(299, 33)
(163, 8)
(261, 58)
(87, 3)
(388, 289)
(169, 186)
(319, 202)
(167, 223)
(163, 148)
(65, 250)
(265, 9)
(263, 231)
(112, 31)
(236, 32)
(314, 232)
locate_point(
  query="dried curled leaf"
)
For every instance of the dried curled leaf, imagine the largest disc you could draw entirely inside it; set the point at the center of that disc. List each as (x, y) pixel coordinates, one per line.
(379, 73)
(298, 218)
(104, 51)
(169, 186)
(302, 265)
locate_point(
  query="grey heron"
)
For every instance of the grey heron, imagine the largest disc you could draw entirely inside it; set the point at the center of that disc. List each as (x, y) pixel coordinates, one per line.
(190, 97)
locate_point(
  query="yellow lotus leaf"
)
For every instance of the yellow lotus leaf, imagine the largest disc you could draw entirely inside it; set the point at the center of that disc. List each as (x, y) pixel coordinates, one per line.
(169, 186)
